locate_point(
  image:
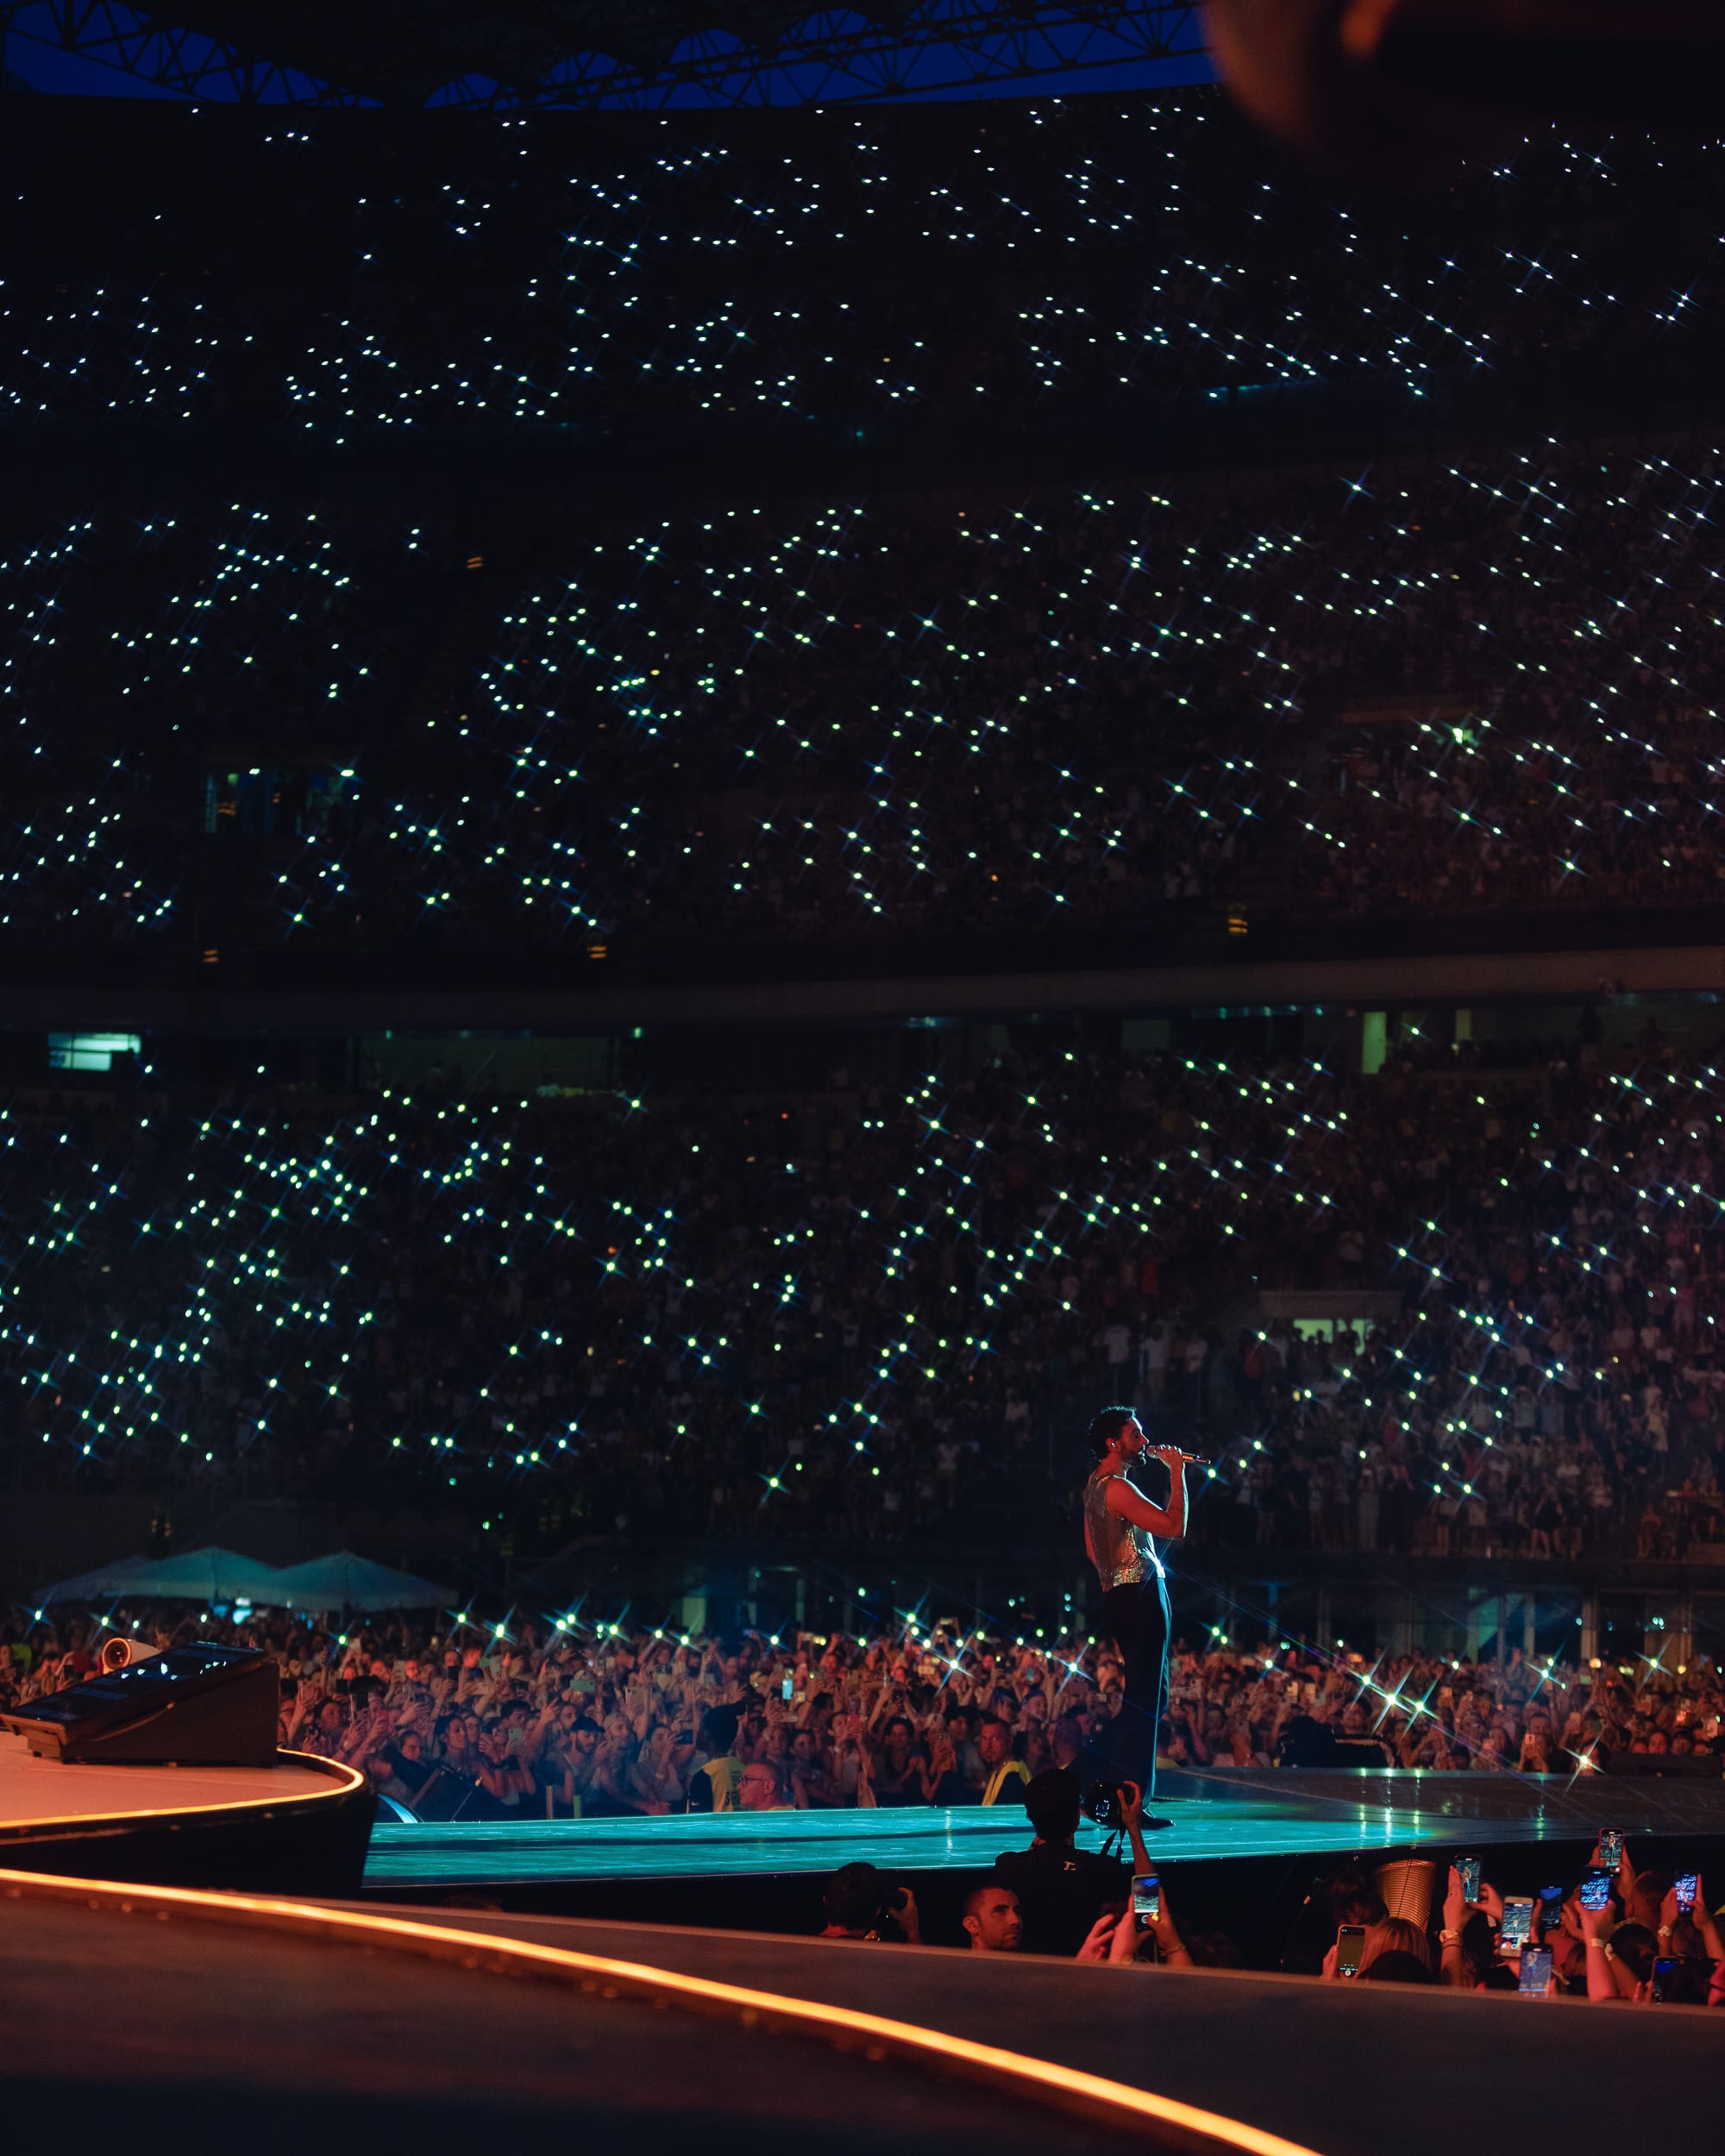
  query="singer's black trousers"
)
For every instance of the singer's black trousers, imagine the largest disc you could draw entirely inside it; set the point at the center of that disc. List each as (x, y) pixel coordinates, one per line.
(1139, 1619)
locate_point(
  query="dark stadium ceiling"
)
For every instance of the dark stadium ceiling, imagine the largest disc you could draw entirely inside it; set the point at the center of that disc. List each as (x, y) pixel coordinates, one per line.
(512, 53)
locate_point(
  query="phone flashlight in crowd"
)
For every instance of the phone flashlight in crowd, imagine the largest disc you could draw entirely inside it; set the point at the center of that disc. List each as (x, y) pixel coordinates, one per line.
(1467, 1868)
(1350, 1945)
(1663, 1970)
(1595, 1889)
(1146, 1899)
(1518, 1921)
(1611, 1846)
(1536, 1970)
(1688, 1886)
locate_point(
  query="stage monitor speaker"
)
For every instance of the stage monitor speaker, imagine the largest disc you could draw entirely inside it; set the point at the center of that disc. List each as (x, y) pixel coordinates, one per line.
(195, 1706)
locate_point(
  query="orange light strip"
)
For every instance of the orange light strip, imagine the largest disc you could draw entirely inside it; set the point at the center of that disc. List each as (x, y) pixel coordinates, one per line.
(985, 2061)
(106, 1821)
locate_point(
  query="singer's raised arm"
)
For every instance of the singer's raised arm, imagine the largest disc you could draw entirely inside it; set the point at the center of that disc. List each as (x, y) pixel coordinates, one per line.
(1168, 1521)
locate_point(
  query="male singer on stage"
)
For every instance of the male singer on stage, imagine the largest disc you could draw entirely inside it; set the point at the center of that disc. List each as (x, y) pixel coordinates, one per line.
(1119, 1526)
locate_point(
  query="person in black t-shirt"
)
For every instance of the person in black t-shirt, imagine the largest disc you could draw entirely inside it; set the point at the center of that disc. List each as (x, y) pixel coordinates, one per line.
(1062, 1889)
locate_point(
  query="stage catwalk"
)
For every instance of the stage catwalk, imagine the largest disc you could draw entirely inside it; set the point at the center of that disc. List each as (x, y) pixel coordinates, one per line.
(1222, 1816)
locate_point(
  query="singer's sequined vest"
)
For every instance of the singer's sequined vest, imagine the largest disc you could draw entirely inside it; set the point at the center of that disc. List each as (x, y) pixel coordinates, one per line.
(1124, 1555)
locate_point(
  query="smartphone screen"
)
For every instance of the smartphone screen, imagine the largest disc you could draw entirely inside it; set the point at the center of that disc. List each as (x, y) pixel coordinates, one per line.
(1595, 1889)
(1688, 1884)
(1611, 1847)
(1663, 1970)
(787, 1688)
(1536, 1969)
(1146, 1899)
(1518, 1920)
(1350, 1945)
(1468, 1868)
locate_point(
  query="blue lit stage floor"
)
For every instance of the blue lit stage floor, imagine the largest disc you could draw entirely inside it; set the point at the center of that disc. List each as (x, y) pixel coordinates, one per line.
(1216, 1817)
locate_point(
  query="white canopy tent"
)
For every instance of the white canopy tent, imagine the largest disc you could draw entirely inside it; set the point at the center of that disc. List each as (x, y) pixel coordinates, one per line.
(125, 1575)
(346, 1581)
(209, 1575)
(216, 1575)
(341, 1581)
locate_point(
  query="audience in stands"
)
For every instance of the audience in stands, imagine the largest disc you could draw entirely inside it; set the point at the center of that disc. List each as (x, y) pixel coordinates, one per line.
(1419, 692)
(833, 265)
(885, 1312)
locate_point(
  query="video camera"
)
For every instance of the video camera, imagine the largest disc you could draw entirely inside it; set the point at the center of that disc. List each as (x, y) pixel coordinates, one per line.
(1106, 1803)
(891, 1902)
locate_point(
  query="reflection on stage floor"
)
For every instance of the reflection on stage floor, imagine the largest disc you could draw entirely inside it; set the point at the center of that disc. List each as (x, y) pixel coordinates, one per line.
(1216, 1816)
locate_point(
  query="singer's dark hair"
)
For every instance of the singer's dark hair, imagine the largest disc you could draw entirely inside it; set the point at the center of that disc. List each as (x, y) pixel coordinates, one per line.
(1105, 1427)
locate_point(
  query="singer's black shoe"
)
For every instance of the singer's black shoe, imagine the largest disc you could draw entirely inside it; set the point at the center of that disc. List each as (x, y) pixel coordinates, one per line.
(1150, 1826)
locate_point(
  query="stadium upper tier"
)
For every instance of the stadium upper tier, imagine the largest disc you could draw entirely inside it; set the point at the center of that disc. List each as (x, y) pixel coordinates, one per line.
(348, 271)
(1441, 691)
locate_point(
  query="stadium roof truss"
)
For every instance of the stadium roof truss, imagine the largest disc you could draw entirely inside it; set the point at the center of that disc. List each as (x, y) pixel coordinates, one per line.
(534, 54)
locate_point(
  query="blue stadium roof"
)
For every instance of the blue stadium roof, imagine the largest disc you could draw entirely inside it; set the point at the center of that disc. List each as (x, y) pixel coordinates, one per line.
(584, 52)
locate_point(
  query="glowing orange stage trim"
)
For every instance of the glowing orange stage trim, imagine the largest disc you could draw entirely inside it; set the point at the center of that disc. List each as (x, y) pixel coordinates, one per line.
(1036, 2076)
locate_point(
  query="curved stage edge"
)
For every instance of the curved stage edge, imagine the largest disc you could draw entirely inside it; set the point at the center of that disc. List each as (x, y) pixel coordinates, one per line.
(1353, 2070)
(259, 2012)
(268, 2018)
(301, 1827)
(759, 2066)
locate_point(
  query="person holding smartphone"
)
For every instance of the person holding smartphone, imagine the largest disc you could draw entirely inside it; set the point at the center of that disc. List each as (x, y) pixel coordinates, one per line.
(1121, 1526)
(1455, 1967)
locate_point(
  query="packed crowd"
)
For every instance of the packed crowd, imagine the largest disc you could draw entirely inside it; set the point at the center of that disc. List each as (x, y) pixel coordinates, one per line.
(539, 1719)
(885, 1312)
(1620, 1935)
(1486, 686)
(1097, 710)
(156, 673)
(499, 274)
(572, 1720)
